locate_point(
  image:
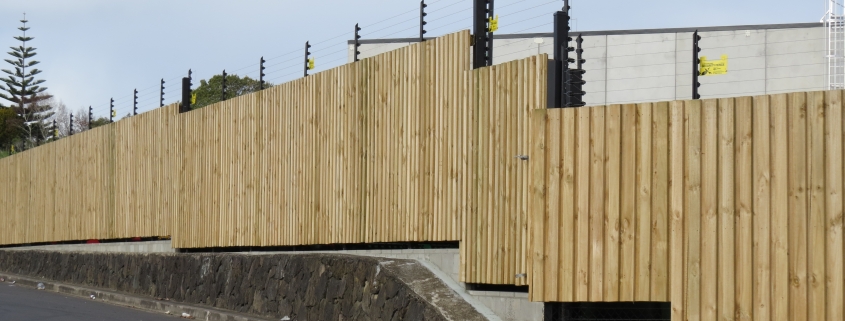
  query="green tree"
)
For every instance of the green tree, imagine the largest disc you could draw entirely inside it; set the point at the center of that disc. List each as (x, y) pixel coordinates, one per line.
(10, 128)
(209, 92)
(23, 90)
(102, 121)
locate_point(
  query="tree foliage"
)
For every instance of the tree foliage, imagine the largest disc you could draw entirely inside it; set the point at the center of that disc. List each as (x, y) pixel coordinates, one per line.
(21, 87)
(30, 100)
(102, 121)
(11, 128)
(209, 92)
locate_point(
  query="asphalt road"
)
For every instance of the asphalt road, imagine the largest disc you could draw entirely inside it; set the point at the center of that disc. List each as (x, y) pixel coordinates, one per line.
(27, 304)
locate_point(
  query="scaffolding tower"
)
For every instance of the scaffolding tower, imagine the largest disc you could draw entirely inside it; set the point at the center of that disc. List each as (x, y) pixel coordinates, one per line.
(834, 24)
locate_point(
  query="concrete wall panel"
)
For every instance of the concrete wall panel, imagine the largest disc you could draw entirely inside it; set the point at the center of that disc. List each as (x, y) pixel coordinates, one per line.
(631, 66)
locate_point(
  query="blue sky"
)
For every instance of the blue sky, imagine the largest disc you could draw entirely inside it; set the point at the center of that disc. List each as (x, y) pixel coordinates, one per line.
(92, 50)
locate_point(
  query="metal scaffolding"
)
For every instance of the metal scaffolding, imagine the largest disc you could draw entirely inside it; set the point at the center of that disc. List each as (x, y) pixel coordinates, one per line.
(835, 34)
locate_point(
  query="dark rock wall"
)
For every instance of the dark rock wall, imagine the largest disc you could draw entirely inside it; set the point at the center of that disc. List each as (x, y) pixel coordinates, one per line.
(302, 287)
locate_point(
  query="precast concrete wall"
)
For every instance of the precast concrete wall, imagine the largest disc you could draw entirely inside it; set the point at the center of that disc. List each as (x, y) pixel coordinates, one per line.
(629, 66)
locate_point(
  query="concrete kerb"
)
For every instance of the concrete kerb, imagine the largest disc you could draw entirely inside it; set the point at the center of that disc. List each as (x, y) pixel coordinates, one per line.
(130, 301)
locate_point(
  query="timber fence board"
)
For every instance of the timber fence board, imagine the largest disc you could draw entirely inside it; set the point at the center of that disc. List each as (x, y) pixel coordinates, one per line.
(729, 208)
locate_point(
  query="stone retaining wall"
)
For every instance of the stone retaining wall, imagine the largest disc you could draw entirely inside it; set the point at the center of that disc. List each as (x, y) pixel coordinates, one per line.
(298, 286)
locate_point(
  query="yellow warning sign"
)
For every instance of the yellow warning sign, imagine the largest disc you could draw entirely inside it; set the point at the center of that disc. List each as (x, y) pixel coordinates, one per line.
(311, 63)
(713, 67)
(494, 23)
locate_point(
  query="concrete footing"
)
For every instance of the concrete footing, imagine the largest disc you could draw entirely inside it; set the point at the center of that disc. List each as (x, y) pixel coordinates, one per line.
(116, 247)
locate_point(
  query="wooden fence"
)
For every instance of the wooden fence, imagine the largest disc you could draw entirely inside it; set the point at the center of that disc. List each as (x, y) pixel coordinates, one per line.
(407, 146)
(728, 208)
(110, 182)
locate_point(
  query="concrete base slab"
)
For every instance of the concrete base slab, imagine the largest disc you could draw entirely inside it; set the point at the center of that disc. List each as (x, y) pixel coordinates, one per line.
(124, 247)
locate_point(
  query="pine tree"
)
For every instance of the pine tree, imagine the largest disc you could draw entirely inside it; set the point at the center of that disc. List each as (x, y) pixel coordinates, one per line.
(23, 90)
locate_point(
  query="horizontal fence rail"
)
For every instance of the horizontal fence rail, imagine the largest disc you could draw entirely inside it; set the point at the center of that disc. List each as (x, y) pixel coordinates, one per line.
(728, 208)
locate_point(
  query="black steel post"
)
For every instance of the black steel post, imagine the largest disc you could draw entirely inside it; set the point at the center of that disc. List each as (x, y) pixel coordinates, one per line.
(70, 128)
(90, 116)
(261, 73)
(695, 65)
(135, 104)
(489, 51)
(561, 55)
(307, 54)
(223, 87)
(186, 95)
(479, 34)
(161, 94)
(111, 111)
(357, 43)
(422, 20)
(55, 130)
(560, 29)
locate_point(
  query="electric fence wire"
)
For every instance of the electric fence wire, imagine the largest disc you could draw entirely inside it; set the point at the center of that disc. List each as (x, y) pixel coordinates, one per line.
(291, 63)
(144, 95)
(346, 34)
(611, 57)
(464, 10)
(326, 64)
(429, 30)
(517, 23)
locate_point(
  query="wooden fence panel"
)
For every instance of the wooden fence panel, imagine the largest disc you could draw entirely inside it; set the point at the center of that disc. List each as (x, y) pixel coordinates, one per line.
(735, 206)
(111, 182)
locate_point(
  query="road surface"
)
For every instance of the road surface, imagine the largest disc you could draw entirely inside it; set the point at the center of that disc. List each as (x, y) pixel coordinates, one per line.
(27, 304)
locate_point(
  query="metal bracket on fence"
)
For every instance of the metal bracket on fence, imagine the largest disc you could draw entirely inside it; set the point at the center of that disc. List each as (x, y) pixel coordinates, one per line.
(695, 63)
(223, 87)
(307, 59)
(422, 20)
(161, 94)
(357, 44)
(521, 157)
(135, 104)
(261, 73)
